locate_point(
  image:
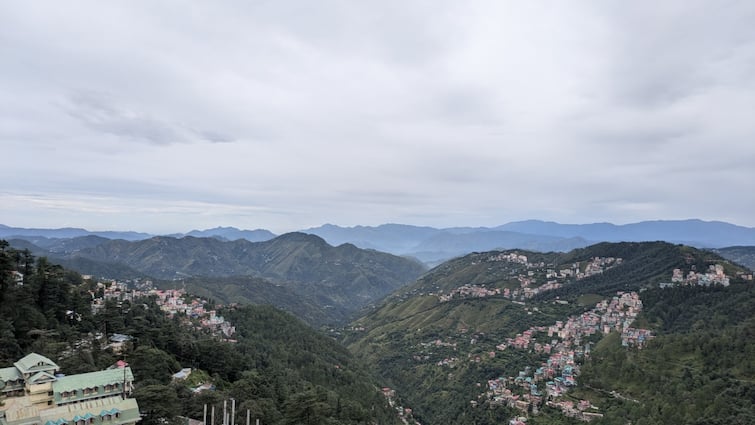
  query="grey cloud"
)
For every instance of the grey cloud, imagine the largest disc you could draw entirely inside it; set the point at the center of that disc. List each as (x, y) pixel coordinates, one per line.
(677, 49)
(101, 114)
(215, 137)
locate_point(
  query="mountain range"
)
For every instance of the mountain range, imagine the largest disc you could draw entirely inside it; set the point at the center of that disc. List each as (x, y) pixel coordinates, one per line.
(436, 245)
(433, 245)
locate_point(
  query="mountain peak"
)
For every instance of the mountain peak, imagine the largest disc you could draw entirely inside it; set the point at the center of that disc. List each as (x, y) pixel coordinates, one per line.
(301, 237)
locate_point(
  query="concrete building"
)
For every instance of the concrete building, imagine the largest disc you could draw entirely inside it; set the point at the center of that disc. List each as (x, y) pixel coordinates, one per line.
(34, 393)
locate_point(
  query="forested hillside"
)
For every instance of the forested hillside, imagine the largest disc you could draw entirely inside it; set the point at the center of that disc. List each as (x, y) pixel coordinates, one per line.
(279, 369)
(458, 344)
(744, 255)
(700, 369)
(319, 283)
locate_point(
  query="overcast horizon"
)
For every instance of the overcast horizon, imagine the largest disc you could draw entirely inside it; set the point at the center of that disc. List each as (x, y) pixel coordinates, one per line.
(163, 117)
(278, 233)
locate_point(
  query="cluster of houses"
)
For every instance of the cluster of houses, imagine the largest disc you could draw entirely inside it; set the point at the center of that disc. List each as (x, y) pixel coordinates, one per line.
(582, 410)
(558, 373)
(512, 257)
(533, 386)
(528, 287)
(469, 291)
(171, 301)
(525, 291)
(714, 276)
(598, 265)
(175, 301)
(554, 279)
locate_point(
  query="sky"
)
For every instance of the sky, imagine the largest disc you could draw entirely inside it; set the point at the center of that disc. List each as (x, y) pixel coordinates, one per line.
(167, 116)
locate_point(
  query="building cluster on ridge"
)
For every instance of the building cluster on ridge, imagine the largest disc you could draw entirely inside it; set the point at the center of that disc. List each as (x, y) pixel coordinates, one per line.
(714, 276)
(528, 283)
(469, 291)
(171, 301)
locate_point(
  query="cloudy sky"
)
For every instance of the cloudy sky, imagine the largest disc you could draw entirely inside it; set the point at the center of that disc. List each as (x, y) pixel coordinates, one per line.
(173, 115)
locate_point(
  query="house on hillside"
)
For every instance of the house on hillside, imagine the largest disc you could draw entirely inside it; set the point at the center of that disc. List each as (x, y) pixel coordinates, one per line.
(36, 394)
(182, 374)
(118, 341)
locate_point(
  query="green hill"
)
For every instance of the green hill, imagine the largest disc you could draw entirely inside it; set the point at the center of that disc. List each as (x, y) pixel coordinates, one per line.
(436, 341)
(303, 301)
(278, 368)
(300, 273)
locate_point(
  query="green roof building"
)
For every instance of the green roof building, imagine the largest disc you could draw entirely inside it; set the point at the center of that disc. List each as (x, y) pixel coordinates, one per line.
(33, 394)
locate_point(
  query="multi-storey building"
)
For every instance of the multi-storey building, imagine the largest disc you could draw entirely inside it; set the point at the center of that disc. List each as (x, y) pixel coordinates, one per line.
(32, 392)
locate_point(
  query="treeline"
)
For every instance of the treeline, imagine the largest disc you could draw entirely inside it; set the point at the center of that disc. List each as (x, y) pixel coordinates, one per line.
(39, 301)
(279, 369)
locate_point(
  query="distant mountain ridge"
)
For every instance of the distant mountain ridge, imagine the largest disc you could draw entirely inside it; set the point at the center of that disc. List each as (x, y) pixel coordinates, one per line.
(433, 245)
(7, 232)
(227, 233)
(232, 234)
(693, 232)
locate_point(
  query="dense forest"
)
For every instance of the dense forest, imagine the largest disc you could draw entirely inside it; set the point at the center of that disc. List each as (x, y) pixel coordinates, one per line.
(279, 369)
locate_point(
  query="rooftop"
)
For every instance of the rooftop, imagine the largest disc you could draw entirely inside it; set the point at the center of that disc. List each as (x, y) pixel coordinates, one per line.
(34, 363)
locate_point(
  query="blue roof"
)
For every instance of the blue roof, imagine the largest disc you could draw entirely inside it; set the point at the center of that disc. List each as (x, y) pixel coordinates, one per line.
(113, 411)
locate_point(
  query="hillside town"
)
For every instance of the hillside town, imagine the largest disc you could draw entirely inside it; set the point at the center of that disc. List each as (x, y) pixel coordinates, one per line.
(171, 301)
(564, 344)
(526, 285)
(545, 383)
